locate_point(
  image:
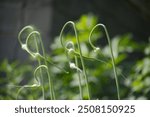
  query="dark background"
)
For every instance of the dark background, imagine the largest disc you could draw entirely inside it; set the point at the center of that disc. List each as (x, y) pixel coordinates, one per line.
(120, 16)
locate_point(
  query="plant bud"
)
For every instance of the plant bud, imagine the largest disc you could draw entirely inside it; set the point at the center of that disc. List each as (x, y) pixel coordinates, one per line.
(71, 51)
(24, 46)
(73, 66)
(96, 49)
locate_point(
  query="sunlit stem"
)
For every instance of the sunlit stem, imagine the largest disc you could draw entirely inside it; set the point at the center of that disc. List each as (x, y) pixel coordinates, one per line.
(70, 50)
(25, 47)
(37, 79)
(79, 77)
(81, 57)
(36, 54)
(111, 51)
(52, 93)
(19, 35)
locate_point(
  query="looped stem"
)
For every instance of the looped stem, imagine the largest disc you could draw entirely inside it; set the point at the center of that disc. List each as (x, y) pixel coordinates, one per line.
(37, 79)
(111, 51)
(79, 48)
(36, 54)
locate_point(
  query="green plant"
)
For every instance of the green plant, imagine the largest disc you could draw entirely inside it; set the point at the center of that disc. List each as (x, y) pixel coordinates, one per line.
(34, 38)
(30, 41)
(111, 52)
(131, 62)
(72, 65)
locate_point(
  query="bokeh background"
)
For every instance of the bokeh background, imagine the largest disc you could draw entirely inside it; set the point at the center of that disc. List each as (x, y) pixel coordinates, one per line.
(127, 20)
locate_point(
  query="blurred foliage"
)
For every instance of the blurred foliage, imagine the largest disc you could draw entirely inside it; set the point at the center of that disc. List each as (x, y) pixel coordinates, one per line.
(132, 60)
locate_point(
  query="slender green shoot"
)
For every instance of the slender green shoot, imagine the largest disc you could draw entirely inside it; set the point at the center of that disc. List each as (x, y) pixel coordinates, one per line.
(32, 34)
(39, 68)
(111, 51)
(38, 82)
(80, 52)
(74, 65)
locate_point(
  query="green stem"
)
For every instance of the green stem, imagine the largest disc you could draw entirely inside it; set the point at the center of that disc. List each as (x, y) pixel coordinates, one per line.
(52, 94)
(81, 57)
(19, 35)
(39, 60)
(79, 77)
(36, 54)
(111, 51)
(71, 49)
(90, 58)
(38, 81)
